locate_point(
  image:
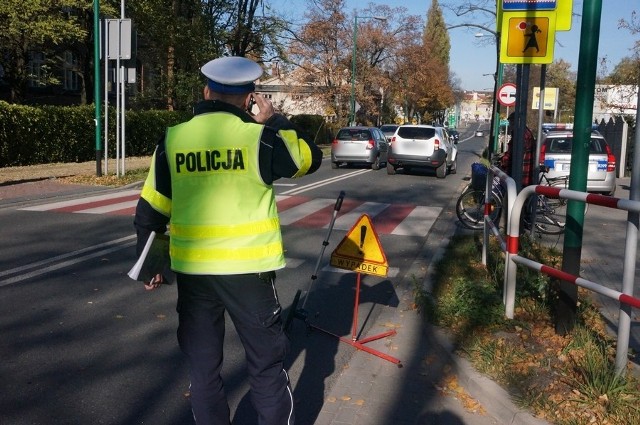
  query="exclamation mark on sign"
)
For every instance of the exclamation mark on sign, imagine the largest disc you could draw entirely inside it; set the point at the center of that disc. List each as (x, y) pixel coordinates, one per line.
(363, 234)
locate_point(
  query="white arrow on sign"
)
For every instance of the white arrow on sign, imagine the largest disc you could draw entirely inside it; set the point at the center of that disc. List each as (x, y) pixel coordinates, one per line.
(507, 94)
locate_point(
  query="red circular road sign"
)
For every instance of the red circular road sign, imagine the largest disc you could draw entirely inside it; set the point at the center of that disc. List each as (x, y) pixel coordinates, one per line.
(507, 94)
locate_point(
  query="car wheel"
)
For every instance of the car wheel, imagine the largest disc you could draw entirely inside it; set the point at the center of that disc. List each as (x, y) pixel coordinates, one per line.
(454, 167)
(391, 170)
(375, 165)
(334, 165)
(441, 171)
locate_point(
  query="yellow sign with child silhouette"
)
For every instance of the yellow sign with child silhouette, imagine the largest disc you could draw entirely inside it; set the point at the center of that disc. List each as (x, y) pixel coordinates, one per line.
(527, 37)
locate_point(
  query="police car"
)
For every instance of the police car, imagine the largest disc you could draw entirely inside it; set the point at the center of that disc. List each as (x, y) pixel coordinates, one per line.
(555, 153)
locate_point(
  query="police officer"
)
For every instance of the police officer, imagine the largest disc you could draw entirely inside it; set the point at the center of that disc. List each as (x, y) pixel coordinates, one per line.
(211, 181)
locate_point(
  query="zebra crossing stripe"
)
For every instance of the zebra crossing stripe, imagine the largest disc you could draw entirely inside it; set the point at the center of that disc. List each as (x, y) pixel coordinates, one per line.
(298, 211)
(78, 205)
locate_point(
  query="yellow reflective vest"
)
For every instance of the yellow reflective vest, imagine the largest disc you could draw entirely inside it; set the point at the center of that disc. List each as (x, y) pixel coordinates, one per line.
(224, 218)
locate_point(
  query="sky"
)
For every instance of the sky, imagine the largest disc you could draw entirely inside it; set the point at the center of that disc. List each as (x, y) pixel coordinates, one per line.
(470, 59)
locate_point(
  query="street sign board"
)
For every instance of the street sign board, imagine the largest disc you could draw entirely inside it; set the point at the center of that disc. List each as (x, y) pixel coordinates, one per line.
(527, 37)
(507, 94)
(360, 250)
(118, 38)
(564, 15)
(563, 12)
(550, 99)
(529, 4)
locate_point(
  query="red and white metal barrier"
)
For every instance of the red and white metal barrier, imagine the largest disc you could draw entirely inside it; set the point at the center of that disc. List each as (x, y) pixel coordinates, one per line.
(512, 257)
(507, 205)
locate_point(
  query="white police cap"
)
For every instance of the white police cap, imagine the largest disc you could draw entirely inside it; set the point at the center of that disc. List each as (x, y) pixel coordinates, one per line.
(232, 74)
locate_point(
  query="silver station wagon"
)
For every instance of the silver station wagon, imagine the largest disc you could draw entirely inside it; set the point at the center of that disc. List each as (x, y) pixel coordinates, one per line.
(352, 145)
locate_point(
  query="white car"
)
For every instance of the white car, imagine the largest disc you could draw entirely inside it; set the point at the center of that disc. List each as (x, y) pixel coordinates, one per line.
(422, 146)
(555, 153)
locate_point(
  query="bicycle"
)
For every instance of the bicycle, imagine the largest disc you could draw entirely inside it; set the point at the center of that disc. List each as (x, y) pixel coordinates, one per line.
(471, 203)
(550, 213)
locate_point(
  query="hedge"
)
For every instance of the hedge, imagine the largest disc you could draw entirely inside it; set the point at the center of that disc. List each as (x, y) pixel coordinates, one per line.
(47, 134)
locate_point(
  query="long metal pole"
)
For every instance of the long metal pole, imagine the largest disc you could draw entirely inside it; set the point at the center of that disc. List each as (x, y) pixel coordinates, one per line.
(352, 114)
(566, 305)
(96, 84)
(536, 153)
(122, 116)
(106, 96)
(496, 106)
(629, 268)
(117, 72)
(121, 71)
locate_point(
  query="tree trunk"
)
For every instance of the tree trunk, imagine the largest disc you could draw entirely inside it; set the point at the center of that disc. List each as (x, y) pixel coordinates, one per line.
(171, 59)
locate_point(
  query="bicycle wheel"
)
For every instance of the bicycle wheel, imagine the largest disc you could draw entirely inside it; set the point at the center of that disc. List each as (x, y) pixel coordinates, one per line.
(551, 215)
(558, 202)
(470, 208)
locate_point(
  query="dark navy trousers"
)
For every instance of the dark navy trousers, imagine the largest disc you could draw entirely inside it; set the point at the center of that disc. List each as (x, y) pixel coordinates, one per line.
(252, 303)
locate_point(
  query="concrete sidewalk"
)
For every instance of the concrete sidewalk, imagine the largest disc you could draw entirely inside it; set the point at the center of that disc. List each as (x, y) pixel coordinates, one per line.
(435, 386)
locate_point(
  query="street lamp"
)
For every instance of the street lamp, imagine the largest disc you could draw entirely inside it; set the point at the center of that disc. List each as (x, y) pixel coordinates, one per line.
(352, 114)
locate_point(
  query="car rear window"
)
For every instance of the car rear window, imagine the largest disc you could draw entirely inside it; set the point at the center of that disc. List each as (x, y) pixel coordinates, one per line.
(388, 128)
(422, 133)
(558, 145)
(353, 134)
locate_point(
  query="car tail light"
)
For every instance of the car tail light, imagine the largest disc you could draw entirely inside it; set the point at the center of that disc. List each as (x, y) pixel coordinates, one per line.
(543, 148)
(370, 145)
(611, 159)
(335, 142)
(436, 144)
(391, 140)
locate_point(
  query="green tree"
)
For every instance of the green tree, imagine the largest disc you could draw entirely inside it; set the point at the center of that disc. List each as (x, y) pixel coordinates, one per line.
(178, 36)
(626, 72)
(35, 27)
(436, 34)
(174, 42)
(319, 52)
(434, 94)
(560, 75)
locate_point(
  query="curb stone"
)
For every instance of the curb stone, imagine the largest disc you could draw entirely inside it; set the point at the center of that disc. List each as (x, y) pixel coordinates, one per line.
(495, 399)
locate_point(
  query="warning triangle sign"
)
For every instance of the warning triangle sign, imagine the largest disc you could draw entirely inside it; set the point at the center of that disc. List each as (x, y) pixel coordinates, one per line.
(360, 250)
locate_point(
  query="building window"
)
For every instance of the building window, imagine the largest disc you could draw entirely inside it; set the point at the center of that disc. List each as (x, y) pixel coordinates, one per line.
(69, 71)
(36, 69)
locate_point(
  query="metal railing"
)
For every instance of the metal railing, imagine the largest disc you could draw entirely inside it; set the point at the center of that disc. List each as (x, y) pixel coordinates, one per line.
(513, 259)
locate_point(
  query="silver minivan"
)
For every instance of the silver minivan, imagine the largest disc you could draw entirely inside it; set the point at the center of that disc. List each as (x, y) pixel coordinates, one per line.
(555, 153)
(359, 145)
(422, 146)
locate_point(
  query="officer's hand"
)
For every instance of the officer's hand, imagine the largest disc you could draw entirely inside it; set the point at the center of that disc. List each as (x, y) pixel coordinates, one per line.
(265, 106)
(154, 283)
